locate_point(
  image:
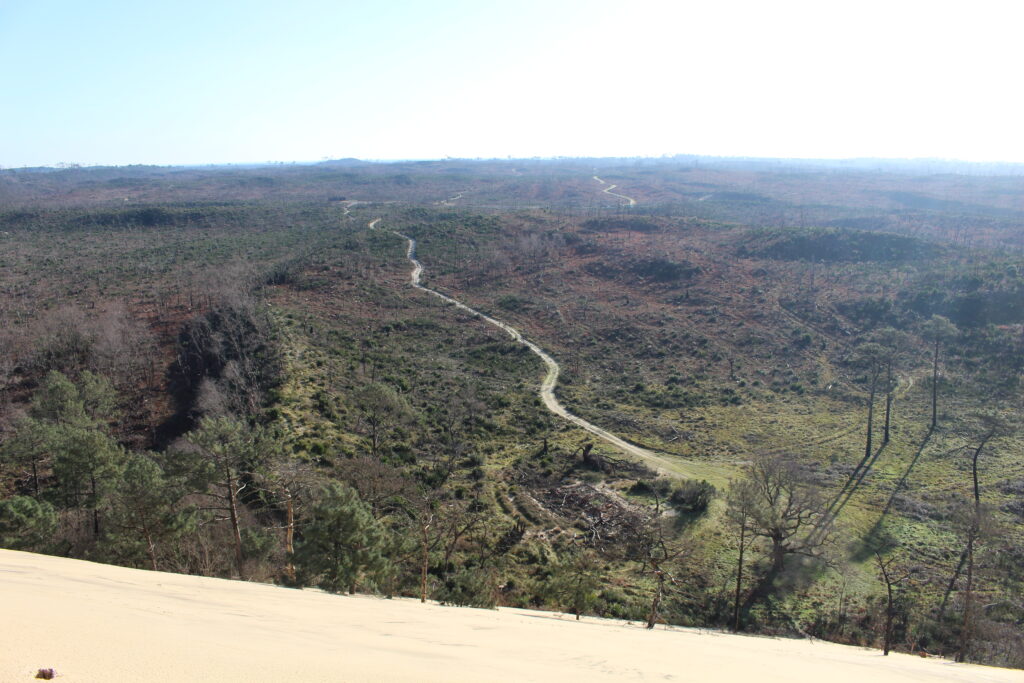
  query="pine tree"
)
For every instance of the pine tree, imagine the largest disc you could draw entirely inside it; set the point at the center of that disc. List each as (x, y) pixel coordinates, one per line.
(576, 582)
(26, 523)
(342, 544)
(86, 465)
(67, 430)
(146, 513)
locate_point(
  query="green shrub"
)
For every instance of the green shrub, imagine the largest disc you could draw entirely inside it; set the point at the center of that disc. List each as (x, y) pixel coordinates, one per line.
(692, 497)
(469, 587)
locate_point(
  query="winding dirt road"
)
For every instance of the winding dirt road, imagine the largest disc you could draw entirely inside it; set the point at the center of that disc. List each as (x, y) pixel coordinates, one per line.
(608, 190)
(451, 200)
(547, 387)
(349, 203)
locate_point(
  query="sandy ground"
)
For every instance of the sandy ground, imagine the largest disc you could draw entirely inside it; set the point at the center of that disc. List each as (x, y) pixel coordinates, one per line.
(94, 622)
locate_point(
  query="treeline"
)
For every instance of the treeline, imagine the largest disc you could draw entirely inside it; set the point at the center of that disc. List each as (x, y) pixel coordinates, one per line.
(206, 214)
(228, 499)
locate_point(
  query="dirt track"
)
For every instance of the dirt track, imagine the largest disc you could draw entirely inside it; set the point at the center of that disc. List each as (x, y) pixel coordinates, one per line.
(547, 387)
(608, 190)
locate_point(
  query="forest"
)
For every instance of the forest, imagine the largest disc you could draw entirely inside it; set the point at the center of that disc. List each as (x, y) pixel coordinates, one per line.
(224, 371)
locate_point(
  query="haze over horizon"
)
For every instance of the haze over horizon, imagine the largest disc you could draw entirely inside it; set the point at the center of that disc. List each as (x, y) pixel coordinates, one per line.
(115, 83)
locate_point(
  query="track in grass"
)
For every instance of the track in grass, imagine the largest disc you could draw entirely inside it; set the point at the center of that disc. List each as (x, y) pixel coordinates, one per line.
(547, 387)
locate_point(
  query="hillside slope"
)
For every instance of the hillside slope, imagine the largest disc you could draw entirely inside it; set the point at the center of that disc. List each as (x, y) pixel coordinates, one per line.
(92, 622)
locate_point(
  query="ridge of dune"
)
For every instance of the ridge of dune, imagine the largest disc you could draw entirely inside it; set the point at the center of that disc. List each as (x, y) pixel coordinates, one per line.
(94, 622)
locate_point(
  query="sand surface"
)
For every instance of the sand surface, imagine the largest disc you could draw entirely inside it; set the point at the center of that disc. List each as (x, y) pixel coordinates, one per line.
(93, 622)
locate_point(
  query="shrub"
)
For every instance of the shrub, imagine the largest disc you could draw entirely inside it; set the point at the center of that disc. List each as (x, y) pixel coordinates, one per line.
(692, 497)
(469, 587)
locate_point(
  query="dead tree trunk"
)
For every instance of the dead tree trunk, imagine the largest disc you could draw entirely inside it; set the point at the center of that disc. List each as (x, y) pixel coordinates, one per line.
(150, 547)
(935, 385)
(659, 591)
(889, 612)
(888, 401)
(966, 632)
(424, 557)
(739, 579)
(871, 415)
(289, 537)
(891, 580)
(952, 583)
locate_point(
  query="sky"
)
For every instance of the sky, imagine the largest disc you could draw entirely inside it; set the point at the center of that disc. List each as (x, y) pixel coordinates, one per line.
(114, 82)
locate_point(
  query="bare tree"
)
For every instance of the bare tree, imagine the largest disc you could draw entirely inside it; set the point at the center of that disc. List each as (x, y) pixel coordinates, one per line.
(893, 573)
(422, 509)
(381, 411)
(781, 506)
(379, 484)
(892, 342)
(455, 520)
(652, 544)
(740, 505)
(424, 515)
(938, 331)
(870, 357)
(125, 349)
(455, 417)
(991, 426)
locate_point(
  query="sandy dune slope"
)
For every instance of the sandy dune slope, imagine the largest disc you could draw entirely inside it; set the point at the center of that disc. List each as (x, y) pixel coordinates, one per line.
(94, 622)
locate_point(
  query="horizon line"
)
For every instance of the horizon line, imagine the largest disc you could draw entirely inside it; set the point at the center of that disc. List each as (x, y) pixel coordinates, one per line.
(62, 166)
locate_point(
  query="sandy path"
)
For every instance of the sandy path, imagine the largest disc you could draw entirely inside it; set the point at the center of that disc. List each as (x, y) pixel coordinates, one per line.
(547, 387)
(608, 190)
(450, 200)
(347, 209)
(99, 623)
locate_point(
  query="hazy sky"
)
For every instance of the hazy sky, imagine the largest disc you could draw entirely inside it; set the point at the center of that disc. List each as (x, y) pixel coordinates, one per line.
(186, 81)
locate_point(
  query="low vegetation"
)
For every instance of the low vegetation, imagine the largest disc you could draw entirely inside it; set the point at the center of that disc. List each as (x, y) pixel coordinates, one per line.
(226, 373)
